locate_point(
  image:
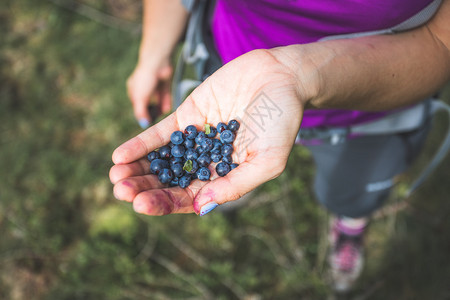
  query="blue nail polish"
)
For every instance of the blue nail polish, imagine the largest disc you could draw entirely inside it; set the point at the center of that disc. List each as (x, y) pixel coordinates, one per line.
(207, 208)
(144, 123)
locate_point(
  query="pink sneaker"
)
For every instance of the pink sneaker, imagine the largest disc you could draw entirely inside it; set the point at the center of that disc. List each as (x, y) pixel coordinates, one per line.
(346, 256)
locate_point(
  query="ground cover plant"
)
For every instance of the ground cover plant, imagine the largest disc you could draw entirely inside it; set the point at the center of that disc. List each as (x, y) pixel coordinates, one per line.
(63, 110)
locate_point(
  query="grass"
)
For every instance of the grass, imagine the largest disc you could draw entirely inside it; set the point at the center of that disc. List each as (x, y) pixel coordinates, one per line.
(63, 236)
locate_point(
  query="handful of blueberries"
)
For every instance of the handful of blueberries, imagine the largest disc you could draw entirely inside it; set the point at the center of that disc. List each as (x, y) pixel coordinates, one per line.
(189, 154)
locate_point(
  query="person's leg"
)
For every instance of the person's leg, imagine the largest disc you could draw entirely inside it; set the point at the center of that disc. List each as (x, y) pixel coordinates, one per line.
(353, 179)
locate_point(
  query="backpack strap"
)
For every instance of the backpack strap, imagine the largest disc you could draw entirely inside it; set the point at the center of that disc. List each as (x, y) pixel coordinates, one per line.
(188, 4)
(403, 120)
(198, 50)
(417, 20)
(436, 106)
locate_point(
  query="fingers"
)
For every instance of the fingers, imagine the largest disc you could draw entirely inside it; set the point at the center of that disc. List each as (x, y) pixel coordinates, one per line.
(246, 177)
(158, 202)
(139, 94)
(149, 140)
(141, 112)
(137, 168)
(150, 197)
(128, 188)
(165, 97)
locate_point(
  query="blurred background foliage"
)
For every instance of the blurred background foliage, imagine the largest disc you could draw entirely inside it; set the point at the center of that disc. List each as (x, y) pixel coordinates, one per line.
(63, 110)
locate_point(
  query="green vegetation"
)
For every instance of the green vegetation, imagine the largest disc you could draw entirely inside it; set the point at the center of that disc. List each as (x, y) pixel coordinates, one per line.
(63, 109)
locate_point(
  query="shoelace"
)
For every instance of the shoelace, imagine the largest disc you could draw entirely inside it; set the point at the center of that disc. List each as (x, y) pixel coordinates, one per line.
(347, 248)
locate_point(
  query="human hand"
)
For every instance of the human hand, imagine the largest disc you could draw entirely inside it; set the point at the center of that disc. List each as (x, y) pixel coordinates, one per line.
(257, 89)
(150, 82)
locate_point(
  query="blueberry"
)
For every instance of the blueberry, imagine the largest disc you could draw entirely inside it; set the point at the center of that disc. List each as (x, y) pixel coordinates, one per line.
(233, 125)
(164, 151)
(204, 160)
(177, 170)
(212, 132)
(176, 160)
(191, 166)
(227, 149)
(217, 144)
(203, 174)
(191, 154)
(199, 150)
(153, 155)
(200, 136)
(165, 176)
(227, 159)
(177, 137)
(206, 144)
(178, 151)
(233, 166)
(221, 127)
(227, 137)
(189, 143)
(222, 169)
(216, 156)
(184, 181)
(157, 165)
(174, 182)
(190, 132)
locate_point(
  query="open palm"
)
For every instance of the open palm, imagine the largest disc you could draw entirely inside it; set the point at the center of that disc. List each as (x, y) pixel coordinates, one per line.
(255, 89)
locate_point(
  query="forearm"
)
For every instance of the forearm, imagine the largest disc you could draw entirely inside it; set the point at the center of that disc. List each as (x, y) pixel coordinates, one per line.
(373, 73)
(163, 23)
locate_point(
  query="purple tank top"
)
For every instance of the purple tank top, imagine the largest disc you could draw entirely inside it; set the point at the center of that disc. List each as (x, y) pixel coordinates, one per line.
(240, 26)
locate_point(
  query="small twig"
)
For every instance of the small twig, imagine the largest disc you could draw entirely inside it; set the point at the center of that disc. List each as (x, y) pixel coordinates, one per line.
(391, 209)
(237, 290)
(323, 241)
(260, 200)
(270, 243)
(136, 294)
(174, 269)
(369, 292)
(405, 205)
(148, 291)
(148, 248)
(202, 262)
(188, 251)
(14, 255)
(98, 16)
(287, 219)
(13, 222)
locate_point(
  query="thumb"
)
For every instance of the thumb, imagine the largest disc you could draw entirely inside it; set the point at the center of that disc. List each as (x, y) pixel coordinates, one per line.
(234, 185)
(140, 98)
(165, 97)
(141, 114)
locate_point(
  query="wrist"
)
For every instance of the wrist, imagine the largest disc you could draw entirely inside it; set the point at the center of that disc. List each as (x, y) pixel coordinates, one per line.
(152, 58)
(298, 59)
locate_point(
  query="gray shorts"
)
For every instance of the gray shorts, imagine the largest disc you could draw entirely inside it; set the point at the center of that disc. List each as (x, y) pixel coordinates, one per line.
(354, 178)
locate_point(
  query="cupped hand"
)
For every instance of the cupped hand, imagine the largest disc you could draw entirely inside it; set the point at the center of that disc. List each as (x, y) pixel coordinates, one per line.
(150, 82)
(256, 89)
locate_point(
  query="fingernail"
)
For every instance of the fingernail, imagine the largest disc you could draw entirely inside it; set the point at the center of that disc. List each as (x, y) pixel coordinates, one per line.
(207, 208)
(144, 123)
